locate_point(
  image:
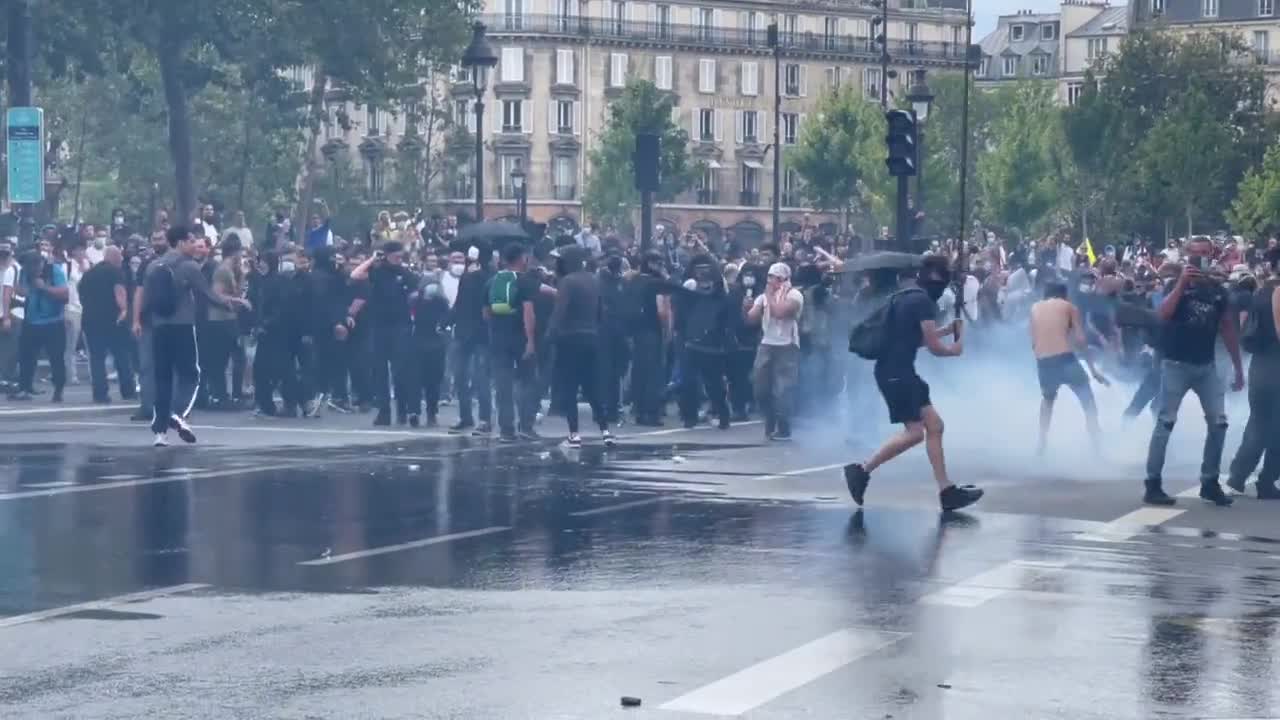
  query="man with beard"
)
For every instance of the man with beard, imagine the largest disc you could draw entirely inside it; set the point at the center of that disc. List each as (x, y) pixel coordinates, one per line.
(391, 286)
(910, 322)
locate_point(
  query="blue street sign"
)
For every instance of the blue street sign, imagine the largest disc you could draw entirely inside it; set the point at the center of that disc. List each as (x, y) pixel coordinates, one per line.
(26, 154)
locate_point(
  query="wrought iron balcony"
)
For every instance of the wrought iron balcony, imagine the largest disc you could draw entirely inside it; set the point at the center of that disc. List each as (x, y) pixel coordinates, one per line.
(598, 28)
(706, 197)
(749, 198)
(564, 192)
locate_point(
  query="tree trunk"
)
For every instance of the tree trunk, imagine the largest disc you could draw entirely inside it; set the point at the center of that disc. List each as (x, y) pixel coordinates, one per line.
(306, 178)
(169, 54)
(1188, 221)
(246, 159)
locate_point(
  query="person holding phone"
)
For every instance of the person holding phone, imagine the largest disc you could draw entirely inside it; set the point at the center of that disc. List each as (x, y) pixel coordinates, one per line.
(1194, 313)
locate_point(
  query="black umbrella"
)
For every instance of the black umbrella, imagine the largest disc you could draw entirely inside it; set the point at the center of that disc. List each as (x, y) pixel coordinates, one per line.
(885, 260)
(493, 233)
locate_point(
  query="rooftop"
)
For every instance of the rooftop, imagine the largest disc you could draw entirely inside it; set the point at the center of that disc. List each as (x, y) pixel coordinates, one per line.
(1112, 21)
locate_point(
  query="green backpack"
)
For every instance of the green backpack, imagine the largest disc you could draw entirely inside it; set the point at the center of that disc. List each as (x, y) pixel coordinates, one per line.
(502, 292)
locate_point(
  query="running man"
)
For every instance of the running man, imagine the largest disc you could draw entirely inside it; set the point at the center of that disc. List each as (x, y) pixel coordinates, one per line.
(1057, 331)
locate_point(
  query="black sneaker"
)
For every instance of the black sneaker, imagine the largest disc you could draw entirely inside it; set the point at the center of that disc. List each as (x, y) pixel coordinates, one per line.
(184, 430)
(23, 396)
(57, 396)
(432, 422)
(857, 478)
(414, 421)
(724, 422)
(1267, 492)
(1212, 492)
(1155, 495)
(460, 427)
(484, 429)
(382, 420)
(508, 439)
(530, 435)
(959, 496)
(783, 435)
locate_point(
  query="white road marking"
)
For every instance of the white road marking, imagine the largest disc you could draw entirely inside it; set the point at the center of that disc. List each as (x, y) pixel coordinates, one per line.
(330, 560)
(23, 494)
(41, 486)
(62, 410)
(1127, 526)
(615, 508)
(260, 428)
(802, 471)
(119, 477)
(672, 431)
(181, 471)
(100, 604)
(756, 685)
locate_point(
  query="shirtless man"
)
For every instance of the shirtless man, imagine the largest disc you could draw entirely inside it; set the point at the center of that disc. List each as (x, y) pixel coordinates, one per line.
(1056, 332)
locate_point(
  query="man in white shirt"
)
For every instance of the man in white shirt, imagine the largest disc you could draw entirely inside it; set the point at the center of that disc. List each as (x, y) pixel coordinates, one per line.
(97, 249)
(778, 357)
(241, 230)
(9, 323)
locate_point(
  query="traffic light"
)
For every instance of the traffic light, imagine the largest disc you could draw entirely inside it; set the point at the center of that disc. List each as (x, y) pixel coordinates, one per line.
(902, 143)
(646, 161)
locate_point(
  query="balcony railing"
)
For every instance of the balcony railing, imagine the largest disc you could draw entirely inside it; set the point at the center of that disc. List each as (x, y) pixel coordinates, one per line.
(749, 198)
(792, 200)
(564, 192)
(902, 51)
(706, 197)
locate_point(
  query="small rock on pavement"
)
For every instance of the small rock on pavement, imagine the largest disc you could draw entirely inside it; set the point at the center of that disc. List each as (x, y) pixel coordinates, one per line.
(630, 701)
(944, 686)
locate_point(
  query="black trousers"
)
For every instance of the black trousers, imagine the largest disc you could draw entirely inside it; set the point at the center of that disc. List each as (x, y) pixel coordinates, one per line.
(332, 365)
(578, 366)
(703, 371)
(275, 368)
(220, 341)
(616, 356)
(113, 339)
(741, 394)
(51, 338)
(515, 388)
(360, 364)
(429, 379)
(176, 358)
(392, 367)
(648, 379)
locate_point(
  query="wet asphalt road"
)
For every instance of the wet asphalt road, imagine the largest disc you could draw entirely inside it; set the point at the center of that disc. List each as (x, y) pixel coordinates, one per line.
(319, 569)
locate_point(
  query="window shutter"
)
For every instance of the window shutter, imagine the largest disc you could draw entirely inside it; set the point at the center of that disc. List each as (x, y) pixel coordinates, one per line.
(553, 117)
(694, 118)
(737, 115)
(715, 78)
(804, 81)
(526, 116)
(626, 59)
(716, 123)
(800, 125)
(762, 126)
(496, 111)
(577, 118)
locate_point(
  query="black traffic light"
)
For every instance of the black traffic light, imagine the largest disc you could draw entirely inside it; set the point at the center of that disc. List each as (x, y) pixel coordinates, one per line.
(646, 159)
(902, 143)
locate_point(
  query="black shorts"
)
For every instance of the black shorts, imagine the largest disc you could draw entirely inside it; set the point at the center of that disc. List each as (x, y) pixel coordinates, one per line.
(1058, 370)
(905, 394)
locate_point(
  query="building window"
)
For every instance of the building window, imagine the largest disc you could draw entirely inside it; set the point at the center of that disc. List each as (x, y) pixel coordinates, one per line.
(1015, 32)
(1010, 67)
(1266, 8)
(462, 114)
(749, 131)
(1039, 64)
(1262, 45)
(793, 80)
(564, 177)
(707, 125)
(791, 189)
(957, 34)
(371, 120)
(790, 128)
(871, 83)
(1073, 92)
(507, 163)
(565, 67)
(750, 78)
(1157, 7)
(662, 72)
(984, 66)
(830, 29)
(1097, 47)
(750, 186)
(1209, 8)
(833, 78)
(751, 23)
(662, 17)
(791, 26)
(913, 32)
(565, 11)
(564, 117)
(512, 116)
(707, 76)
(706, 24)
(513, 65)
(513, 17)
(1048, 31)
(619, 16)
(376, 179)
(617, 69)
(707, 186)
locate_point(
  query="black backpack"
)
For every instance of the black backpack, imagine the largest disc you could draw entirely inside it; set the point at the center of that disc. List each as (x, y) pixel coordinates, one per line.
(1259, 332)
(160, 291)
(868, 336)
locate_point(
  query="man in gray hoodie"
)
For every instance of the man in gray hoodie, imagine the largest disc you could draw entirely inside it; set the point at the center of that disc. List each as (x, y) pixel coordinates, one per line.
(173, 334)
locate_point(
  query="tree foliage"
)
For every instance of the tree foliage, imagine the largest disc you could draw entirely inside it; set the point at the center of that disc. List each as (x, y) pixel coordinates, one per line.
(840, 155)
(610, 195)
(1021, 171)
(1256, 209)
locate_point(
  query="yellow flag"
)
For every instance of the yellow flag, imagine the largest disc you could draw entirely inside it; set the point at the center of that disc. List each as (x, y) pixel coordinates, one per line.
(1088, 250)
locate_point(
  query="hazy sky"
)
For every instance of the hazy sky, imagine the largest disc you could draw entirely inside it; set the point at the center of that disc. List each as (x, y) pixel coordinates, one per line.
(985, 12)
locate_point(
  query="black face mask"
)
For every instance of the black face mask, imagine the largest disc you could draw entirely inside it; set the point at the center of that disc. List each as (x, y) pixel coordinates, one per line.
(934, 288)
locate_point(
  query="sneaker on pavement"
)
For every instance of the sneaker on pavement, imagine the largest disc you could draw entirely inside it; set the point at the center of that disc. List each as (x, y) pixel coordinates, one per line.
(507, 439)
(609, 439)
(959, 496)
(1236, 485)
(1155, 495)
(529, 434)
(484, 429)
(460, 427)
(857, 478)
(414, 421)
(574, 441)
(162, 440)
(184, 430)
(1212, 492)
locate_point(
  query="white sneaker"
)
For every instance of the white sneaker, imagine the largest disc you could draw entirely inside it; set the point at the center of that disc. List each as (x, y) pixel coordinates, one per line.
(184, 430)
(162, 440)
(574, 441)
(609, 439)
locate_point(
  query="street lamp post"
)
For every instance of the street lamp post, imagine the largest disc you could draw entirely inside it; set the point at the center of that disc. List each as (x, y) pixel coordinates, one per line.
(776, 43)
(521, 191)
(479, 58)
(921, 99)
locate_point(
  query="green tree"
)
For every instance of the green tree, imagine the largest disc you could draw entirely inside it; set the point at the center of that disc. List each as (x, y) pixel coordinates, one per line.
(1256, 209)
(1021, 171)
(1186, 153)
(840, 156)
(609, 194)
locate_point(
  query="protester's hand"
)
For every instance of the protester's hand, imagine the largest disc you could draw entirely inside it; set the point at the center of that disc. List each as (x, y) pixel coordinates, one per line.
(1237, 384)
(39, 284)
(137, 329)
(340, 332)
(956, 326)
(1190, 272)
(529, 350)
(308, 340)
(957, 348)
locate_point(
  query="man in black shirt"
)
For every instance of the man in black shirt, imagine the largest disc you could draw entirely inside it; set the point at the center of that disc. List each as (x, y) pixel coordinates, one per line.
(392, 287)
(471, 351)
(575, 328)
(649, 300)
(513, 332)
(1194, 312)
(106, 308)
(910, 323)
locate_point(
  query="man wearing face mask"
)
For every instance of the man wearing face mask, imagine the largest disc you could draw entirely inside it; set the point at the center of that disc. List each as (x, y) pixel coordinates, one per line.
(331, 327)
(616, 351)
(449, 281)
(142, 330)
(910, 323)
(744, 337)
(97, 248)
(778, 357)
(706, 325)
(392, 287)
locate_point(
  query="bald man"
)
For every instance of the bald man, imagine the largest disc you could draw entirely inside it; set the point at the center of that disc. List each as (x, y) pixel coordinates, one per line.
(104, 297)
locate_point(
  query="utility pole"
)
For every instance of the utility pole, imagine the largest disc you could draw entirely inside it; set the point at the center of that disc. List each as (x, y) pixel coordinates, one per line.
(776, 44)
(19, 81)
(884, 54)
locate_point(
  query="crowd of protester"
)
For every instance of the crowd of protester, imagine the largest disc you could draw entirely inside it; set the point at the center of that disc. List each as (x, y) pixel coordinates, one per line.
(291, 323)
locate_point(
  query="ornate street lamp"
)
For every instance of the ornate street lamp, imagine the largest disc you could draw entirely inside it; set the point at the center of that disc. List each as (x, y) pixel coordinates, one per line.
(921, 99)
(479, 58)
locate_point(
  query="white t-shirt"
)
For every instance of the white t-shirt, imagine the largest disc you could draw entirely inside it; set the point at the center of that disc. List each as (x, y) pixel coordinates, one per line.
(94, 255)
(74, 273)
(244, 233)
(777, 331)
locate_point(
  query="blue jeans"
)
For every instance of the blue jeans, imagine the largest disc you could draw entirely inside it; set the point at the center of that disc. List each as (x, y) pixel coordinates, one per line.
(1176, 379)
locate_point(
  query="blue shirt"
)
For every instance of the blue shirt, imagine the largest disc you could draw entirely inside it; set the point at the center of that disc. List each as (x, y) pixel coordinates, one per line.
(41, 308)
(318, 237)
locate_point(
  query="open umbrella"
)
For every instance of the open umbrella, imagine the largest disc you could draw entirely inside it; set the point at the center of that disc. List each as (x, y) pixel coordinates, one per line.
(495, 234)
